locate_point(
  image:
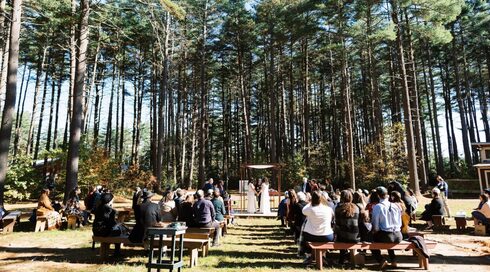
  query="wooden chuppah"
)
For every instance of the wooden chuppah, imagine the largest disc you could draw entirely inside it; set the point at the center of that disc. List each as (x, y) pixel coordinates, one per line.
(273, 166)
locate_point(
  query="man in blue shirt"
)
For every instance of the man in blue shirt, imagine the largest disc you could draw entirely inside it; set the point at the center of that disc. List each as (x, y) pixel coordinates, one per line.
(386, 225)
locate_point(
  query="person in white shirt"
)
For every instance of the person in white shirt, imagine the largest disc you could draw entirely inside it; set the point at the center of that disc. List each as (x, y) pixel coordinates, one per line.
(318, 227)
(483, 212)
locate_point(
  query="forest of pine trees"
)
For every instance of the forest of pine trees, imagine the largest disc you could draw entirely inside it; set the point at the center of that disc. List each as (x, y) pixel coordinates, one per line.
(359, 91)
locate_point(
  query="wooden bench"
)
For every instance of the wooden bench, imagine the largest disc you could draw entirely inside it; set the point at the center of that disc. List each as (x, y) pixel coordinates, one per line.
(41, 223)
(72, 221)
(191, 244)
(123, 215)
(319, 248)
(439, 223)
(8, 221)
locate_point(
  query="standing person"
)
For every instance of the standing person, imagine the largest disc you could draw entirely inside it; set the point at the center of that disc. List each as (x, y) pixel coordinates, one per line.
(306, 187)
(265, 207)
(179, 199)
(386, 224)
(444, 188)
(346, 222)
(329, 186)
(251, 195)
(208, 186)
(219, 208)
(318, 227)
(292, 200)
(258, 188)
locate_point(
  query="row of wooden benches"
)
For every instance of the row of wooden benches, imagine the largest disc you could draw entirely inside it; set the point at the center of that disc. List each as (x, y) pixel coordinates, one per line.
(195, 240)
(318, 249)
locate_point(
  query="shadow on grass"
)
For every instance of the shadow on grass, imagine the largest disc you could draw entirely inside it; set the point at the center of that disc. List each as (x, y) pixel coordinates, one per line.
(72, 255)
(261, 264)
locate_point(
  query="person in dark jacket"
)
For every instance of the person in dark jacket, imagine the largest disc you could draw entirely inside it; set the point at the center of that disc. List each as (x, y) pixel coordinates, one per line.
(298, 216)
(148, 216)
(186, 213)
(346, 222)
(436, 207)
(105, 220)
(204, 215)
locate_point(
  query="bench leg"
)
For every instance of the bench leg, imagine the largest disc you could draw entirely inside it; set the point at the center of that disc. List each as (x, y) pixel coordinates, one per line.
(104, 250)
(423, 261)
(318, 258)
(8, 225)
(205, 250)
(194, 256)
(352, 254)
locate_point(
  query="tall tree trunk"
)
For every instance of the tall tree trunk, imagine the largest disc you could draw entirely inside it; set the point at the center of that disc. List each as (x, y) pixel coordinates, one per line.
(20, 110)
(9, 106)
(43, 105)
(76, 121)
(204, 95)
(459, 98)
(411, 154)
(30, 136)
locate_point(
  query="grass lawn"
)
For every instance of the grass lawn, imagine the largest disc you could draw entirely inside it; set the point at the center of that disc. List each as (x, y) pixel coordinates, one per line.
(255, 245)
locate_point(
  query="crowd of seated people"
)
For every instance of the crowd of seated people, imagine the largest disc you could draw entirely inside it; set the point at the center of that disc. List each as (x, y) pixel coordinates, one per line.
(384, 214)
(320, 215)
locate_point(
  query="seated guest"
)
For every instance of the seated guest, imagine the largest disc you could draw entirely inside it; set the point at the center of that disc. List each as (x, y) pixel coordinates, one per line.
(136, 202)
(148, 216)
(167, 207)
(204, 215)
(73, 205)
(179, 198)
(105, 220)
(186, 213)
(219, 208)
(44, 208)
(483, 213)
(386, 223)
(436, 207)
(346, 222)
(373, 201)
(218, 205)
(282, 209)
(395, 198)
(318, 227)
(358, 199)
(298, 216)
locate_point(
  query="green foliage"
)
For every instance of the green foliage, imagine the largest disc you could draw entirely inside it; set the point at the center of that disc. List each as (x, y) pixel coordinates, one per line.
(22, 179)
(294, 171)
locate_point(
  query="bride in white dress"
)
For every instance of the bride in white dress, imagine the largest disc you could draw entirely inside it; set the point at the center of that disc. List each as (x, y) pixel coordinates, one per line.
(251, 208)
(265, 203)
